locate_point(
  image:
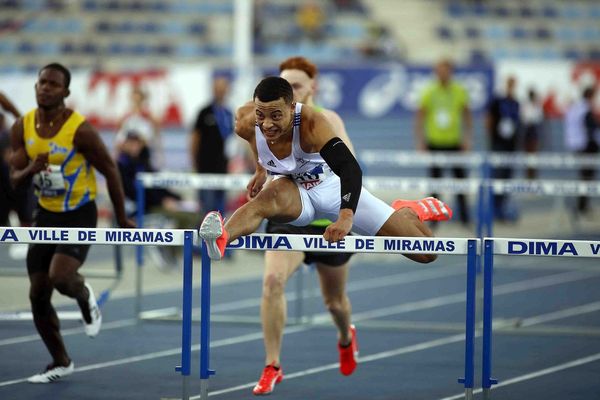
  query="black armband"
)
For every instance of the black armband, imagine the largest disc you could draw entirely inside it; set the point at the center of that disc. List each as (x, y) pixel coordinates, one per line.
(341, 161)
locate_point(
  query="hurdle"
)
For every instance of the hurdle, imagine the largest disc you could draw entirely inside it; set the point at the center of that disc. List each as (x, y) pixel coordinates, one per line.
(359, 244)
(133, 237)
(518, 247)
(179, 180)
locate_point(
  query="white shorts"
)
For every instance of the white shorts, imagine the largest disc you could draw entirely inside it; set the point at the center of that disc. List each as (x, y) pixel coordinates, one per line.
(323, 201)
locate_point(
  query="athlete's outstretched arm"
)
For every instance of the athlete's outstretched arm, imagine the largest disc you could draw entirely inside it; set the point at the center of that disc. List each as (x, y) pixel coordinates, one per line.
(88, 142)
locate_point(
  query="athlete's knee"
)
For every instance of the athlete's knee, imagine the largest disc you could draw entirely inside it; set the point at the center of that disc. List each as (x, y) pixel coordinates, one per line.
(63, 282)
(335, 304)
(273, 285)
(40, 302)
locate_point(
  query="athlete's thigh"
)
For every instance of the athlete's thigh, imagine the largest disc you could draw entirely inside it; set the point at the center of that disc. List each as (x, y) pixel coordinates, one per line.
(282, 264)
(333, 279)
(281, 200)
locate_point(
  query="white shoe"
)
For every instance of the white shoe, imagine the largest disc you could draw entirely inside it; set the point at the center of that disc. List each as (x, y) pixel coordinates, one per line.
(52, 374)
(93, 327)
(18, 251)
(214, 234)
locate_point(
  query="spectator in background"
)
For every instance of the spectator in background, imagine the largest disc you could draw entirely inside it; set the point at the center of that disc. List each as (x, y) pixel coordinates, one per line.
(133, 159)
(503, 122)
(582, 136)
(20, 199)
(213, 127)
(140, 120)
(532, 118)
(443, 123)
(311, 19)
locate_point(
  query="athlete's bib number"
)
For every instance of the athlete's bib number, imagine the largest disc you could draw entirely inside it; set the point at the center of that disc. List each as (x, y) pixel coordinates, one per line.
(50, 183)
(310, 179)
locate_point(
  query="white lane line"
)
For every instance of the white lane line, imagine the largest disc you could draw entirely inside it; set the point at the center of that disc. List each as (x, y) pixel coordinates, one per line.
(560, 314)
(365, 284)
(362, 360)
(380, 312)
(68, 332)
(502, 289)
(373, 283)
(535, 374)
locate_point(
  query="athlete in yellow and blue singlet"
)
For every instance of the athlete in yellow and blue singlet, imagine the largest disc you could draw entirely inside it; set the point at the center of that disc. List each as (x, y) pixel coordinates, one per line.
(59, 150)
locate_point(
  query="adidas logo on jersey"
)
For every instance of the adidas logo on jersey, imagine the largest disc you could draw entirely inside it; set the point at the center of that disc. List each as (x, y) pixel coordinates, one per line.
(346, 197)
(271, 163)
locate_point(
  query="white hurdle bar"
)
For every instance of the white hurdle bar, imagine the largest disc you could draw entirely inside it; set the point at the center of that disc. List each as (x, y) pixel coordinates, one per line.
(518, 247)
(521, 159)
(357, 244)
(135, 237)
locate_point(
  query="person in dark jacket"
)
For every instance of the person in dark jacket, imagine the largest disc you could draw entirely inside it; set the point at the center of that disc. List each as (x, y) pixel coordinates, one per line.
(213, 127)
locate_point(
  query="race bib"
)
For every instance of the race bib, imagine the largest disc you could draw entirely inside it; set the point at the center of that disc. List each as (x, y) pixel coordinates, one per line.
(442, 119)
(312, 178)
(50, 182)
(506, 128)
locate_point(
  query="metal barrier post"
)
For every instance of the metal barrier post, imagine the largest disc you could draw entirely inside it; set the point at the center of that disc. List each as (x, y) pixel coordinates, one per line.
(470, 320)
(205, 372)
(139, 250)
(186, 330)
(486, 367)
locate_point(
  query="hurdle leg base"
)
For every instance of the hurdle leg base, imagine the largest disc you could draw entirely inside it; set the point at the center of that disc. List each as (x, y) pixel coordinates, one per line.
(203, 389)
(469, 394)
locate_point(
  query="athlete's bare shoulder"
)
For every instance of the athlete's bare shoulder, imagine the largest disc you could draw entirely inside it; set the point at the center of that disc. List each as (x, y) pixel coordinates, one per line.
(315, 130)
(245, 121)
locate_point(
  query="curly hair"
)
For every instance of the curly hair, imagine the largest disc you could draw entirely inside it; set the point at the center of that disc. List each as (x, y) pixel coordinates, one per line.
(300, 63)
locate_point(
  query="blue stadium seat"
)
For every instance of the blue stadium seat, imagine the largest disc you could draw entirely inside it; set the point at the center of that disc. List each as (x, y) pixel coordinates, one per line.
(49, 48)
(32, 5)
(163, 49)
(496, 32)
(543, 34)
(68, 48)
(103, 27)
(149, 27)
(116, 48)
(472, 32)
(456, 10)
(526, 12)
(520, 33)
(549, 11)
(89, 48)
(7, 46)
(26, 48)
(90, 5)
(572, 11)
(479, 57)
(444, 32)
(198, 28)
(573, 54)
(566, 34)
(501, 11)
(550, 53)
(594, 54)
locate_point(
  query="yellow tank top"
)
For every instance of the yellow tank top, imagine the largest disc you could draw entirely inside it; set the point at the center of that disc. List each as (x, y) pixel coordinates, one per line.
(77, 173)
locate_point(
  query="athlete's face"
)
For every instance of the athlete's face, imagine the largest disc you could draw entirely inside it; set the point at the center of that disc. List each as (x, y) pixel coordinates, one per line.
(50, 89)
(302, 84)
(274, 118)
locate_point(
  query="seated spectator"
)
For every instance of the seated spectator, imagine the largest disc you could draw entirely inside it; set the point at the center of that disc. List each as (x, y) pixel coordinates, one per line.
(133, 159)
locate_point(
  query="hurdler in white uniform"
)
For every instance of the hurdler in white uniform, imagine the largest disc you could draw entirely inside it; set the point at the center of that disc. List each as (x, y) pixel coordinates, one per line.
(319, 186)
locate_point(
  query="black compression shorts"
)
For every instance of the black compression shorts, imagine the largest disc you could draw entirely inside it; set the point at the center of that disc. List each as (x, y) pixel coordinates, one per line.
(331, 259)
(40, 255)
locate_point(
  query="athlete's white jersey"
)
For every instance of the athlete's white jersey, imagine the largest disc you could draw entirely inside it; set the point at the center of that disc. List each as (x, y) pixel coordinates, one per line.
(308, 169)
